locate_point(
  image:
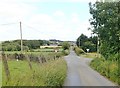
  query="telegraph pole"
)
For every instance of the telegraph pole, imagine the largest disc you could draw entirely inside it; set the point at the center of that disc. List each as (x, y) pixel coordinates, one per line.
(98, 42)
(21, 37)
(79, 41)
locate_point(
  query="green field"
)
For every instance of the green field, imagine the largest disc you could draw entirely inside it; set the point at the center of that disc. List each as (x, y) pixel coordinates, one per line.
(0, 72)
(51, 73)
(47, 50)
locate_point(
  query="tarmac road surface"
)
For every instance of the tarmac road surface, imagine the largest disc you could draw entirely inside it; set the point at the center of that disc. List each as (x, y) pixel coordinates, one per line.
(80, 74)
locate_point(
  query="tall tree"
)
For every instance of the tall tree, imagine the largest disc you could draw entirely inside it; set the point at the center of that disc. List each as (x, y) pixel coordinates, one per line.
(104, 21)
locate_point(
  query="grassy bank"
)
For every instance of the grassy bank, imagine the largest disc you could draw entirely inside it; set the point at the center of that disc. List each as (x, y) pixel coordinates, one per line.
(106, 68)
(90, 55)
(78, 51)
(51, 73)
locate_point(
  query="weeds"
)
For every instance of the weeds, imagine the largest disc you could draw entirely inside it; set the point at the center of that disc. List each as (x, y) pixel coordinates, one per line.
(51, 73)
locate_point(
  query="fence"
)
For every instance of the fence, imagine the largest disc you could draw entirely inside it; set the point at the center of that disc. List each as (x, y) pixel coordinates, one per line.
(30, 58)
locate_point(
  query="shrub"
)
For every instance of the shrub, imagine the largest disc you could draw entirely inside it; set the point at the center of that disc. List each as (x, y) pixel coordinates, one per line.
(78, 51)
(65, 45)
(65, 52)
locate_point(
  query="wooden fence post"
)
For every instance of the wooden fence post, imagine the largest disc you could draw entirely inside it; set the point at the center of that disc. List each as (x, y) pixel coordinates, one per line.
(54, 57)
(7, 72)
(39, 59)
(28, 59)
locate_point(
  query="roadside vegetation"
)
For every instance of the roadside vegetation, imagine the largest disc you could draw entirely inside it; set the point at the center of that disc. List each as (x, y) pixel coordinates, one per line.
(104, 22)
(78, 51)
(66, 48)
(0, 72)
(35, 66)
(51, 73)
(106, 68)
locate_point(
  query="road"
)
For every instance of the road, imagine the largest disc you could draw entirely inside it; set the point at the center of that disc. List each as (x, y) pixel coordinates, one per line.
(80, 74)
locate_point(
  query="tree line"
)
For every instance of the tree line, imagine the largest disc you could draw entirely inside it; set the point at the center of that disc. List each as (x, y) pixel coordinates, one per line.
(85, 43)
(15, 45)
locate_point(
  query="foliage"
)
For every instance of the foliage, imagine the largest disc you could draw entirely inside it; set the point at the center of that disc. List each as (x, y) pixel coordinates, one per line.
(27, 45)
(48, 74)
(106, 68)
(65, 52)
(105, 23)
(0, 72)
(78, 51)
(87, 43)
(65, 45)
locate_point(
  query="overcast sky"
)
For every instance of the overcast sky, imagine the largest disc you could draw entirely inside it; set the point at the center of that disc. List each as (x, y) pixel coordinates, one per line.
(44, 19)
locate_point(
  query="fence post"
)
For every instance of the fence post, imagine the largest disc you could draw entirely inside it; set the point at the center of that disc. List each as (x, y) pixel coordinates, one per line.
(4, 59)
(28, 59)
(39, 59)
(54, 57)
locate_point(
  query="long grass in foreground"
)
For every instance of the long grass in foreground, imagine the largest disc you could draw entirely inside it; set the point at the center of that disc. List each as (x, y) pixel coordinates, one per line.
(0, 72)
(51, 73)
(106, 68)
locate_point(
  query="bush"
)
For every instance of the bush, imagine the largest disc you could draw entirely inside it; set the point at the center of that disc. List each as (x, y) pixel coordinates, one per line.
(65, 45)
(65, 52)
(78, 51)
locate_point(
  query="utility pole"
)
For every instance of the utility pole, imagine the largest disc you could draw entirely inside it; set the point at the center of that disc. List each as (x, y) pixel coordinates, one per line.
(21, 37)
(79, 41)
(98, 42)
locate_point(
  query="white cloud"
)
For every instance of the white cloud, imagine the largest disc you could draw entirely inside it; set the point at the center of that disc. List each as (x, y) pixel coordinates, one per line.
(59, 13)
(42, 19)
(75, 18)
(58, 25)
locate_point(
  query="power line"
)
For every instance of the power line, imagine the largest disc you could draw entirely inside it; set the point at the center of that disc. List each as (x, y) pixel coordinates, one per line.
(31, 27)
(37, 30)
(8, 24)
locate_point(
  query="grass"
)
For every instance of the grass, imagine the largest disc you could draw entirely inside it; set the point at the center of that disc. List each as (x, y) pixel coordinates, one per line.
(35, 51)
(107, 68)
(47, 50)
(90, 55)
(52, 73)
(0, 73)
(78, 51)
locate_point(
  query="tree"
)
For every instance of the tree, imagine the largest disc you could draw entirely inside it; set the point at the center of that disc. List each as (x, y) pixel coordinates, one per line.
(81, 39)
(104, 22)
(65, 45)
(87, 43)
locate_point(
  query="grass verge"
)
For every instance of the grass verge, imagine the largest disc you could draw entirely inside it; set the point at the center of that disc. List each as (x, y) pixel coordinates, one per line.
(51, 73)
(0, 73)
(106, 68)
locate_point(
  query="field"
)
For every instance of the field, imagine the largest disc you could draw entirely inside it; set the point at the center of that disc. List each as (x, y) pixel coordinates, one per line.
(51, 73)
(0, 72)
(47, 50)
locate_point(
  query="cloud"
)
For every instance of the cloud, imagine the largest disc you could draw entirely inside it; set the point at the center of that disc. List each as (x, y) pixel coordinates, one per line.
(58, 25)
(59, 13)
(75, 18)
(42, 19)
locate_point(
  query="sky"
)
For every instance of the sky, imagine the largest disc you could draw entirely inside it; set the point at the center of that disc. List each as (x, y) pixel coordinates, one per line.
(44, 19)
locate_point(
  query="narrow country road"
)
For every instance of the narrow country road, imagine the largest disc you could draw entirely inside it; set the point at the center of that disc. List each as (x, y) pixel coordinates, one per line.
(80, 74)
